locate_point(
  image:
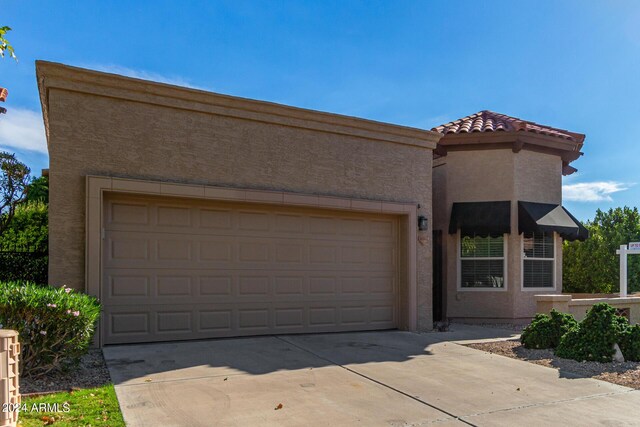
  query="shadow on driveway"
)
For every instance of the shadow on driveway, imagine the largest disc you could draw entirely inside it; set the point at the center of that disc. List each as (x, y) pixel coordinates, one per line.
(134, 363)
(389, 378)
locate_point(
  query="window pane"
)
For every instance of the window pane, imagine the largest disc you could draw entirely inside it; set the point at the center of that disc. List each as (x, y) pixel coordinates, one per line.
(538, 245)
(482, 273)
(538, 273)
(481, 247)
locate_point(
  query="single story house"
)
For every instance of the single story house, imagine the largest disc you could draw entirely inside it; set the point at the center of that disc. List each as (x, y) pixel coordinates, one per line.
(191, 214)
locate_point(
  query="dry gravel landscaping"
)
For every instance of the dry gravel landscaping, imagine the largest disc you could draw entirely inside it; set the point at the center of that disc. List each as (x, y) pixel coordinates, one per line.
(91, 372)
(625, 374)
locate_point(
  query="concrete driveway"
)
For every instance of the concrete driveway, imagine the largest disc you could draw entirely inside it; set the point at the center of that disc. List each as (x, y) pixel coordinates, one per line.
(371, 378)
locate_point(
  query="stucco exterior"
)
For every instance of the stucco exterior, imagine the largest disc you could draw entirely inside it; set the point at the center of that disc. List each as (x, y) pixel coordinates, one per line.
(112, 134)
(494, 175)
(106, 125)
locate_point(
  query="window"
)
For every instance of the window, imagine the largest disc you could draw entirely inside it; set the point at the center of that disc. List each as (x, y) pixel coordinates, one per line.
(481, 262)
(538, 260)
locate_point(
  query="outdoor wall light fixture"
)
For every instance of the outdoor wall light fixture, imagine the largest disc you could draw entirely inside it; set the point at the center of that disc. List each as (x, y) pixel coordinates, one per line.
(422, 223)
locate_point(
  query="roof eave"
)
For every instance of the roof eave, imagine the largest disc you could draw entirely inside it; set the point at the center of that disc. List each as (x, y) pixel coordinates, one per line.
(516, 140)
(63, 77)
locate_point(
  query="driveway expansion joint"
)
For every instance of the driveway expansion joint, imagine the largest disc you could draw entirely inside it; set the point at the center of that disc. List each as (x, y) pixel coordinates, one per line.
(554, 402)
(449, 414)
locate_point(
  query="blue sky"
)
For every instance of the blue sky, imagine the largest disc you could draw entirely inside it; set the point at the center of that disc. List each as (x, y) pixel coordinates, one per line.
(569, 64)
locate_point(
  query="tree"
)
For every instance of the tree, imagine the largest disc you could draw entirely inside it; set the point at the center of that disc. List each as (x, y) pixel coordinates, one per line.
(5, 46)
(38, 190)
(28, 229)
(592, 266)
(14, 179)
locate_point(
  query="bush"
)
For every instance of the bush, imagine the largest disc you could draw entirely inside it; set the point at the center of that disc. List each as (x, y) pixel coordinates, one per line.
(594, 337)
(28, 230)
(56, 325)
(24, 266)
(24, 244)
(545, 331)
(630, 343)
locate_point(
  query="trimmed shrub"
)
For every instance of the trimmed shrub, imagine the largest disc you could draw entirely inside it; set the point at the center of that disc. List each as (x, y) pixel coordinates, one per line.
(630, 343)
(545, 331)
(56, 325)
(594, 337)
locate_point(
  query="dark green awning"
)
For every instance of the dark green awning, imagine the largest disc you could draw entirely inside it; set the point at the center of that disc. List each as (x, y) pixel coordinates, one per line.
(548, 217)
(481, 218)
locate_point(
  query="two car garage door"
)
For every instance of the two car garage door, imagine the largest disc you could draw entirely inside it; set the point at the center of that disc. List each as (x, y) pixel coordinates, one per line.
(178, 269)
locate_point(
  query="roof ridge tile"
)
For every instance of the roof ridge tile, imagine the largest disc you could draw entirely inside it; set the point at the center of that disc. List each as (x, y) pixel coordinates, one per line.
(491, 121)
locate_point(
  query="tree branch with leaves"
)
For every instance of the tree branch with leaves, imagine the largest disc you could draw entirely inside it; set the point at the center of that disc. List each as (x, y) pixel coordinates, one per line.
(14, 181)
(5, 46)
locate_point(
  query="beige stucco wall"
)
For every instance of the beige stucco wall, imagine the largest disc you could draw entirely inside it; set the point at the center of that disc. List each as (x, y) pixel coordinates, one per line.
(112, 126)
(538, 178)
(494, 175)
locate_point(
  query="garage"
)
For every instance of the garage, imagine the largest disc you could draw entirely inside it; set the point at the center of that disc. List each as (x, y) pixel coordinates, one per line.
(179, 269)
(195, 215)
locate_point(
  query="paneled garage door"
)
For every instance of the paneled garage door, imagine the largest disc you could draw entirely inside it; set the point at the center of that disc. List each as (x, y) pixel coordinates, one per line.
(178, 269)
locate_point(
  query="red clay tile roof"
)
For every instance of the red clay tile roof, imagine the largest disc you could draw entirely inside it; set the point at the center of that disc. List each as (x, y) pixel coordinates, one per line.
(488, 121)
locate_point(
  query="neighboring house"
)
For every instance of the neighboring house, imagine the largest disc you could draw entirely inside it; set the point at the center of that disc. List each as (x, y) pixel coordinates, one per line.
(197, 215)
(3, 97)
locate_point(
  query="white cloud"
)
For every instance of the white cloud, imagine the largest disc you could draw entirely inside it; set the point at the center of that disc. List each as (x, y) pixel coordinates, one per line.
(599, 191)
(22, 129)
(141, 74)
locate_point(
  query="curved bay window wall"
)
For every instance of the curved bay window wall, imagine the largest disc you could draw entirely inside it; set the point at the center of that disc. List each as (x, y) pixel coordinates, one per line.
(482, 229)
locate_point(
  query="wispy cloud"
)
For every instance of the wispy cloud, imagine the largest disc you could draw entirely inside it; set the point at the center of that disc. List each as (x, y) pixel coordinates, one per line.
(142, 74)
(598, 191)
(22, 129)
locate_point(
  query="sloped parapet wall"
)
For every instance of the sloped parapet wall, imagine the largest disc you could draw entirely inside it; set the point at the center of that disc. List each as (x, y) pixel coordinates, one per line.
(628, 307)
(9, 387)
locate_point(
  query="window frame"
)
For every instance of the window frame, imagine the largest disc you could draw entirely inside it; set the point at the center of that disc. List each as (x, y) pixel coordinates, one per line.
(553, 260)
(504, 259)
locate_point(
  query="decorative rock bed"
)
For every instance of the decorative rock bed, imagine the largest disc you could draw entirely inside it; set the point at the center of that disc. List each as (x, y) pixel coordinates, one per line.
(625, 374)
(91, 372)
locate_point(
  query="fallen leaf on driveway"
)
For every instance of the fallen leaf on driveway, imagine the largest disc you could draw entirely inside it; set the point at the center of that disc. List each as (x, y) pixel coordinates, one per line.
(148, 380)
(279, 406)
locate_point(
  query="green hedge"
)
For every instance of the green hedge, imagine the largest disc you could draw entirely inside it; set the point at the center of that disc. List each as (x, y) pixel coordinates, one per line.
(594, 337)
(630, 343)
(28, 229)
(56, 325)
(26, 266)
(545, 331)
